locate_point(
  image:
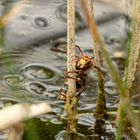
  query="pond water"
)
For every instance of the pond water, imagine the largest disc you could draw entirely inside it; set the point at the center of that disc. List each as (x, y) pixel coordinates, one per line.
(31, 72)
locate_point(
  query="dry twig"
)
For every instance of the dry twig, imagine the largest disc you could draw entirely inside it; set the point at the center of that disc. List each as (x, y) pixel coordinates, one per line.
(12, 115)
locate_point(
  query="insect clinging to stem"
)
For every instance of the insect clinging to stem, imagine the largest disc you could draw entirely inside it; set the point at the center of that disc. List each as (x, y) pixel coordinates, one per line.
(83, 64)
(83, 61)
(80, 86)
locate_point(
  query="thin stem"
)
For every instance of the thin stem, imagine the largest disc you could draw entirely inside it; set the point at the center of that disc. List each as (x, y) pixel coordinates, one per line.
(101, 103)
(95, 45)
(71, 103)
(134, 48)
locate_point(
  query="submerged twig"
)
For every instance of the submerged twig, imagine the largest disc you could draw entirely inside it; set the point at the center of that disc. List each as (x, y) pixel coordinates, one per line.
(71, 102)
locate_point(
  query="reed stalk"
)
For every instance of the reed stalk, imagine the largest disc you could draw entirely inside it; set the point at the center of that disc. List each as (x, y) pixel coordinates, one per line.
(134, 52)
(72, 101)
(100, 104)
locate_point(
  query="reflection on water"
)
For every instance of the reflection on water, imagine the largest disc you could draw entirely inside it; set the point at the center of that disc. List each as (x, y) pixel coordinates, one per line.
(30, 72)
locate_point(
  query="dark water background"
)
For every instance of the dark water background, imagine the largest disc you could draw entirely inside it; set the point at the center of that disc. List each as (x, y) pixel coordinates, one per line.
(30, 72)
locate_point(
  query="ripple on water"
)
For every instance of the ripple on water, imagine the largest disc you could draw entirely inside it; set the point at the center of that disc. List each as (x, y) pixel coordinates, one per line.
(56, 116)
(86, 119)
(51, 118)
(40, 72)
(42, 81)
(36, 88)
(41, 90)
(61, 14)
(59, 45)
(13, 81)
(64, 135)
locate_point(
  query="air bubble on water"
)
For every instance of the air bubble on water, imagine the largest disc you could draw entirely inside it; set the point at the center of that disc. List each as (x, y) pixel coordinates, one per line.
(40, 22)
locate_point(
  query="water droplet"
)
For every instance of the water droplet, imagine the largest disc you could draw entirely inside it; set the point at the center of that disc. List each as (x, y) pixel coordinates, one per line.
(40, 22)
(23, 17)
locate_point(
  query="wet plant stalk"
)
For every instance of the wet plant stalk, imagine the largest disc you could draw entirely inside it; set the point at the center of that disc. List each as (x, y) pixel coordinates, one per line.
(134, 52)
(100, 104)
(95, 45)
(120, 121)
(71, 102)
